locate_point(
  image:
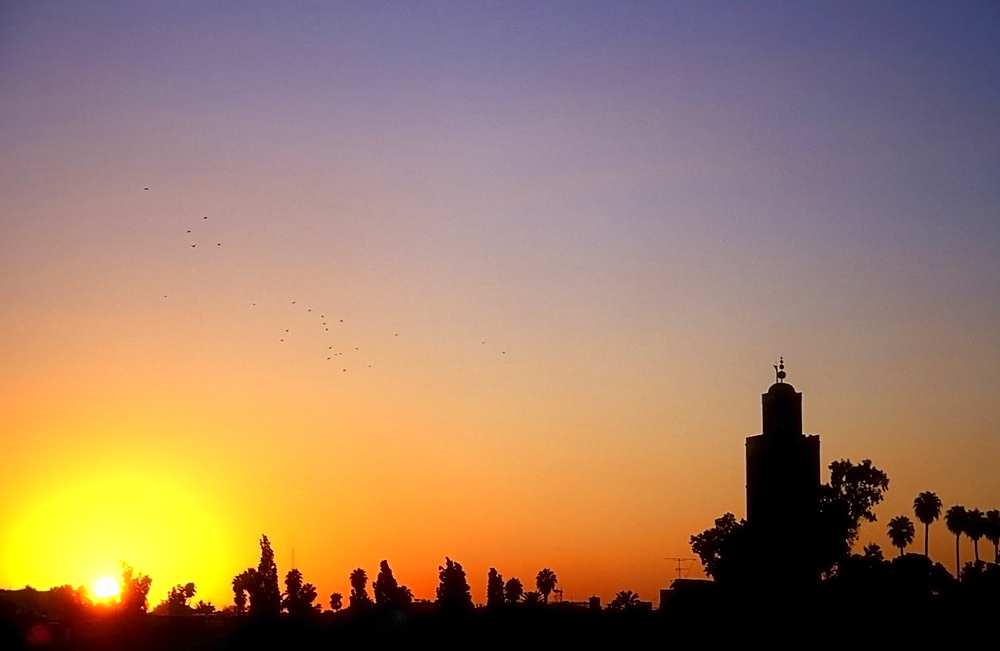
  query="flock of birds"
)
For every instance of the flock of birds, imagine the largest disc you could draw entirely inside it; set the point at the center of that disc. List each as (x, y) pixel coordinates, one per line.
(321, 323)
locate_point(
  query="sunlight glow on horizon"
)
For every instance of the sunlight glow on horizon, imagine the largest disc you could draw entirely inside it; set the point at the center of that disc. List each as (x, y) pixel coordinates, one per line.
(92, 525)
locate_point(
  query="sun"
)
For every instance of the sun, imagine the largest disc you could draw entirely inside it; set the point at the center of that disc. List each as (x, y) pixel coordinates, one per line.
(106, 587)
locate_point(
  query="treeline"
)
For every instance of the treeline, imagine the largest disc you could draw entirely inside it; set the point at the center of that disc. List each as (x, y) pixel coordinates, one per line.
(901, 589)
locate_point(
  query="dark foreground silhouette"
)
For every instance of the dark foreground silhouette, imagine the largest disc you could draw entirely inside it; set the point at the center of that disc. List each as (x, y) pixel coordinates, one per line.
(876, 604)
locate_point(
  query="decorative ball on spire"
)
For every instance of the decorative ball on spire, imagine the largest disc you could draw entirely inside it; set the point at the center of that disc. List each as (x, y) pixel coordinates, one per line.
(779, 370)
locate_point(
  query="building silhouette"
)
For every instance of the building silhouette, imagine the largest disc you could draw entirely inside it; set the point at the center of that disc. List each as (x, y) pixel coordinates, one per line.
(783, 488)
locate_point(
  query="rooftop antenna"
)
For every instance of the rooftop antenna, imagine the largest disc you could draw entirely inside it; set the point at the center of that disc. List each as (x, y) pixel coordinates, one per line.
(679, 559)
(779, 370)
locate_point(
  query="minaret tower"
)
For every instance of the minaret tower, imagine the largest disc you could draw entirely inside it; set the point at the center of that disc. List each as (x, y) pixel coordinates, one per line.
(783, 482)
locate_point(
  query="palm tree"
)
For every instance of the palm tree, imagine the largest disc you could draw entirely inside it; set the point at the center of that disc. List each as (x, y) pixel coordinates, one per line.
(359, 598)
(955, 519)
(993, 532)
(359, 579)
(546, 581)
(336, 601)
(513, 590)
(624, 600)
(975, 527)
(901, 532)
(927, 508)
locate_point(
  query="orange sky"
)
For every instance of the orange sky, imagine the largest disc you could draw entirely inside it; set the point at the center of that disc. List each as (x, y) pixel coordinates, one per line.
(566, 247)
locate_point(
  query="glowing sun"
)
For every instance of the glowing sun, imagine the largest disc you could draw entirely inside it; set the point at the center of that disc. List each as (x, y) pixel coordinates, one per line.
(105, 588)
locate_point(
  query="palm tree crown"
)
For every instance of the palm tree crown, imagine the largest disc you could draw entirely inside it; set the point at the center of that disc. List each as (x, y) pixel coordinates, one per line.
(901, 532)
(624, 600)
(975, 527)
(955, 520)
(927, 508)
(546, 581)
(993, 532)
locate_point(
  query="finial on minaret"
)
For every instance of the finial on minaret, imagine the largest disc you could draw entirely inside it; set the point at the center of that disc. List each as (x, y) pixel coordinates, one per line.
(779, 370)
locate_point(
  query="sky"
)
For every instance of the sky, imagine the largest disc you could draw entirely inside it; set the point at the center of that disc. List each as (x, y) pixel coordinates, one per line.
(501, 282)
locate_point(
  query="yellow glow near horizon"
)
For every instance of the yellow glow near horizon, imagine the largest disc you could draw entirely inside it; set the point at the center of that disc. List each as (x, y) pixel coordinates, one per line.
(82, 527)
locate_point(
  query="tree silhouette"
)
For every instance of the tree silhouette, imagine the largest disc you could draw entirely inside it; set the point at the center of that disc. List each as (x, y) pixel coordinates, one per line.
(240, 592)
(624, 600)
(204, 608)
(849, 498)
(453, 591)
(359, 599)
(513, 590)
(336, 601)
(494, 589)
(67, 603)
(927, 508)
(546, 581)
(388, 593)
(532, 598)
(901, 532)
(177, 600)
(262, 584)
(298, 598)
(134, 590)
(975, 527)
(716, 547)
(955, 520)
(992, 532)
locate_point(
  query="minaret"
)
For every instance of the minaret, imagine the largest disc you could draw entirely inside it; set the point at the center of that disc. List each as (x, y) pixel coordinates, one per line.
(783, 483)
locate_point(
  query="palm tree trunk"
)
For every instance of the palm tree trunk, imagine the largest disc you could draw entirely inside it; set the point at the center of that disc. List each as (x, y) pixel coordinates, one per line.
(927, 528)
(975, 548)
(958, 567)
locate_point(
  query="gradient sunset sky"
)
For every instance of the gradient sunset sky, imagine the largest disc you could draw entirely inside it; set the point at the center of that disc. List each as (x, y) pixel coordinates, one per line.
(496, 281)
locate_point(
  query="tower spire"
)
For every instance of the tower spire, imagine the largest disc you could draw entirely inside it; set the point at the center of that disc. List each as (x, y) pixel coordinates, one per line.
(779, 370)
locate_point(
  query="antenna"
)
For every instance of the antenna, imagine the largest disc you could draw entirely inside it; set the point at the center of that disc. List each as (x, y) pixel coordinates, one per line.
(679, 568)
